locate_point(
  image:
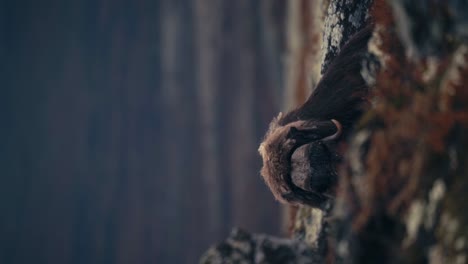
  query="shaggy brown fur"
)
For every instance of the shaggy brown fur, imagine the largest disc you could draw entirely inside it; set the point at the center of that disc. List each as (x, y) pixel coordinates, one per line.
(340, 95)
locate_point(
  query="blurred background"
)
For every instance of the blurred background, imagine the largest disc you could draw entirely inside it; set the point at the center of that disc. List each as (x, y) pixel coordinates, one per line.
(129, 129)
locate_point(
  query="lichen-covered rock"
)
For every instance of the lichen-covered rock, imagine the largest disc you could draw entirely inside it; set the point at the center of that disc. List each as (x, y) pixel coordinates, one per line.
(343, 19)
(400, 187)
(430, 28)
(242, 247)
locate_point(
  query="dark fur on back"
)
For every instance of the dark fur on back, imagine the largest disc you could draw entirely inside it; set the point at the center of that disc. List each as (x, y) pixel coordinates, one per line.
(342, 92)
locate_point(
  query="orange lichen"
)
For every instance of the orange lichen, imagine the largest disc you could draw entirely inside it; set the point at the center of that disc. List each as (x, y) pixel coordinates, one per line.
(418, 103)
